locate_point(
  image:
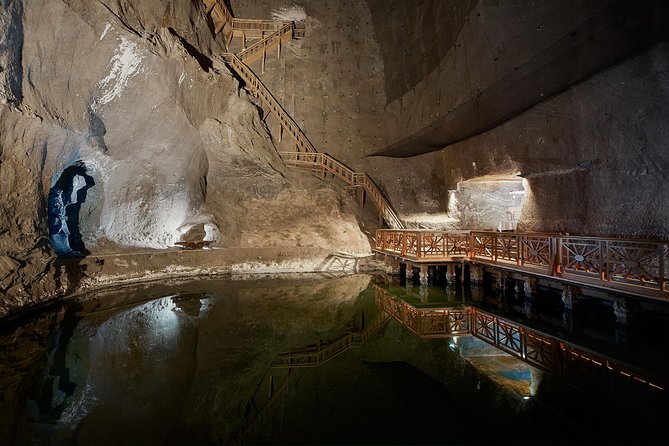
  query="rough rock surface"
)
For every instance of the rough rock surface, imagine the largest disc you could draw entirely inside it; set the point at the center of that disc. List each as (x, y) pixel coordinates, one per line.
(332, 83)
(594, 157)
(166, 142)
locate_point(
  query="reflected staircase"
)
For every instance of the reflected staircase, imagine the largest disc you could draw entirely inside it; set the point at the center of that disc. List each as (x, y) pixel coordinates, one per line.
(315, 356)
(296, 362)
(270, 35)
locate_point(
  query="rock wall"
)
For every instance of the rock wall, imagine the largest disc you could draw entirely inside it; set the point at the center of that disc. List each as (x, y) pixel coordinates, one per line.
(332, 82)
(594, 157)
(155, 137)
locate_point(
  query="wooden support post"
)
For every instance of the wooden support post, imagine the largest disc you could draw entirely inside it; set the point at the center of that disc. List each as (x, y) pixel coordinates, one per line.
(361, 192)
(243, 40)
(278, 49)
(264, 52)
(280, 131)
(229, 37)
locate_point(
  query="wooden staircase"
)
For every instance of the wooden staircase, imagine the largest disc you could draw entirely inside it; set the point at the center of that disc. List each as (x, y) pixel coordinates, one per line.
(325, 164)
(271, 35)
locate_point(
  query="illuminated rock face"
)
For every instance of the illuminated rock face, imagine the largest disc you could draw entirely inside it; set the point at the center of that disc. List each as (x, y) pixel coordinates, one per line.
(172, 149)
(165, 141)
(594, 156)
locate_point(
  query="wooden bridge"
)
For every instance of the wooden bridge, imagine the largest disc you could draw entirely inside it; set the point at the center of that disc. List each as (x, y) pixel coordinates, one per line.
(270, 35)
(635, 267)
(529, 345)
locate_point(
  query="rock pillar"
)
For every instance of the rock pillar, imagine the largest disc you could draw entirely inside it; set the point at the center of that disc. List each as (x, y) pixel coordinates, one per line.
(621, 311)
(450, 273)
(393, 264)
(423, 275)
(530, 293)
(569, 298)
(409, 273)
(423, 293)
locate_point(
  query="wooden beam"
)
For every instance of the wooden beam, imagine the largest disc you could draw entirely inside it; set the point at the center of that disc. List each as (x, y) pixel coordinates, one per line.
(219, 26)
(264, 50)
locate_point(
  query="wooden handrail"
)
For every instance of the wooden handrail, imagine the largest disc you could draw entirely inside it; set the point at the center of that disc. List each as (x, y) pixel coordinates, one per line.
(260, 91)
(306, 154)
(219, 12)
(259, 48)
(259, 24)
(633, 266)
(326, 163)
(525, 343)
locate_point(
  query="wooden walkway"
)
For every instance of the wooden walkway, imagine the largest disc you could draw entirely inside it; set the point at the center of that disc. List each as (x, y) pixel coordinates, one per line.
(636, 267)
(271, 35)
(529, 345)
(631, 266)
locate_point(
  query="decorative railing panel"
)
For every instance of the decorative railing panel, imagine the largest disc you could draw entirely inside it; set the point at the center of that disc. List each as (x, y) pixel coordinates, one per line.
(483, 245)
(582, 256)
(507, 247)
(536, 250)
(540, 350)
(635, 263)
(633, 266)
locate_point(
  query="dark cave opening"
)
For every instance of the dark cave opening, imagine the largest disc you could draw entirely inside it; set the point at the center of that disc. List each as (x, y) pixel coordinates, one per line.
(64, 205)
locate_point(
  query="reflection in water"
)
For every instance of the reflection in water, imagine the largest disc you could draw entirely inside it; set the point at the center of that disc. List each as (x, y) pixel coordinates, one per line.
(293, 360)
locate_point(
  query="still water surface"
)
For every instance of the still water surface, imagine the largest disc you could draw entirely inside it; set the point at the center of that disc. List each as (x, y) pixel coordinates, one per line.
(205, 362)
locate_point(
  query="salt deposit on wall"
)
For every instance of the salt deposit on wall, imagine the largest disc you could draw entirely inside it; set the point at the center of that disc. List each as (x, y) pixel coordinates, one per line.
(295, 13)
(122, 67)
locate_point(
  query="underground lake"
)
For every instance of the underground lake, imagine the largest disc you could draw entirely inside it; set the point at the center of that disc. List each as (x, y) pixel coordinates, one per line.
(314, 359)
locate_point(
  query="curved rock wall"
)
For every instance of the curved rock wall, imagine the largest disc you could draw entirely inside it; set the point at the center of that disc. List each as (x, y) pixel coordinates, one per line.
(169, 145)
(594, 156)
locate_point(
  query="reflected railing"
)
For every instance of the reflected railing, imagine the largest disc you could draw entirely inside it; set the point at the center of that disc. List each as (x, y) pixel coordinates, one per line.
(634, 266)
(317, 355)
(531, 346)
(298, 361)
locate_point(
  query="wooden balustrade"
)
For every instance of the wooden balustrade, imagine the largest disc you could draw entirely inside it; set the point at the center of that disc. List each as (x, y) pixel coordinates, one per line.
(259, 90)
(529, 345)
(259, 24)
(635, 266)
(305, 154)
(275, 400)
(315, 356)
(324, 163)
(220, 14)
(259, 49)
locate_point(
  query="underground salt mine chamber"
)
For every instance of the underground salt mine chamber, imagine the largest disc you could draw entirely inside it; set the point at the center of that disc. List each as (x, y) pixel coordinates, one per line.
(310, 223)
